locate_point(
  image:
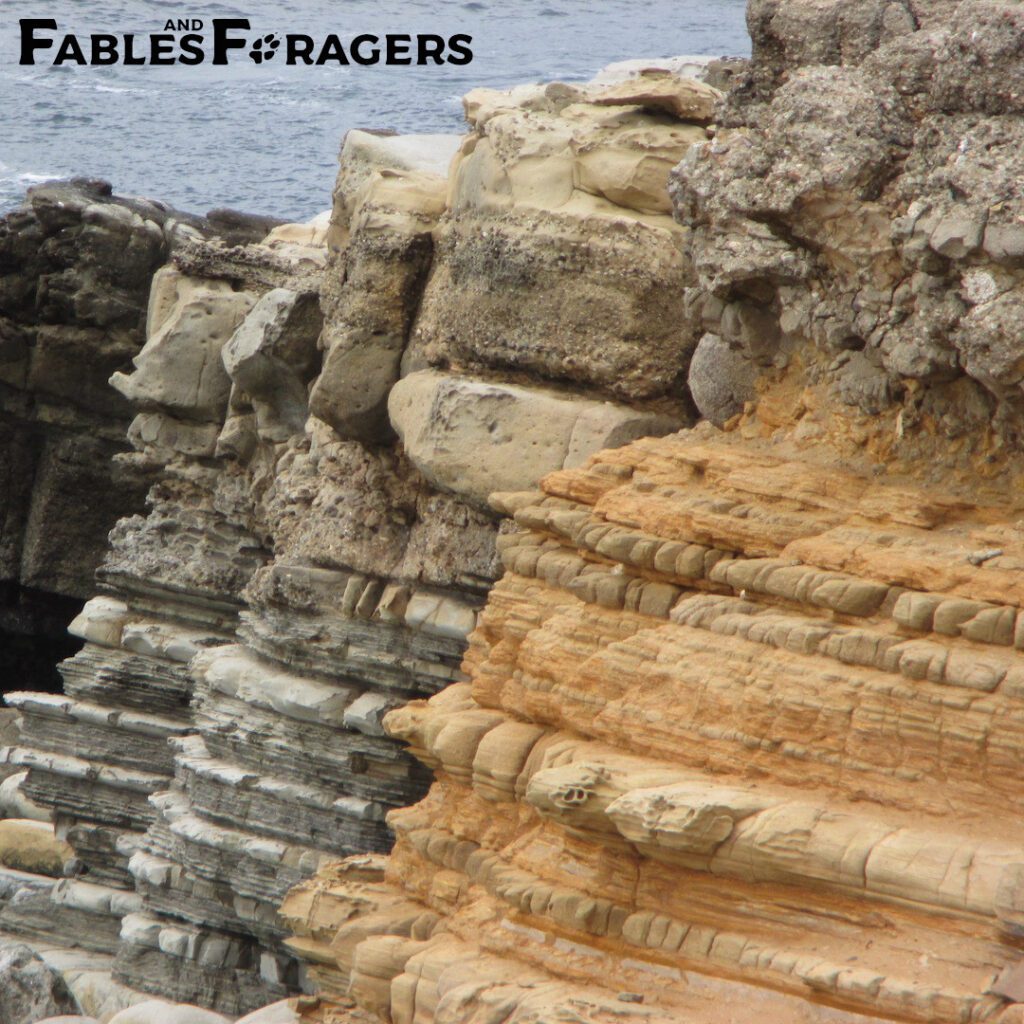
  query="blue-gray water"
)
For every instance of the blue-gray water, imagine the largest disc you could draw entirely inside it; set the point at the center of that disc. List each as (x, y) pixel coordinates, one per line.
(265, 138)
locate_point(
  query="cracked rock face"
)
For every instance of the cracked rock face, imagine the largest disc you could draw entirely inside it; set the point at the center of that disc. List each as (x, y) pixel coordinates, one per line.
(739, 733)
(689, 711)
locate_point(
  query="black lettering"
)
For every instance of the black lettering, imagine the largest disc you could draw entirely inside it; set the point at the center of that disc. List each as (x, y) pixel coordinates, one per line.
(299, 48)
(357, 46)
(430, 48)
(130, 56)
(222, 42)
(192, 46)
(459, 44)
(161, 50)
(169, 25)
(29, 43)
(398, 49)
(103, 49)
(69, 51)
(332, 50)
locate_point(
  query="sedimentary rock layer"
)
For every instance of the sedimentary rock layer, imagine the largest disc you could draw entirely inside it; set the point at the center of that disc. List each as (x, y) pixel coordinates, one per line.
(76, 264)
(740, 730)
(319, 541)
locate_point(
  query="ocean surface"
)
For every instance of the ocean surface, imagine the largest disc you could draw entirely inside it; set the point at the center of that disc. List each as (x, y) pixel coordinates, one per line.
(264, 138)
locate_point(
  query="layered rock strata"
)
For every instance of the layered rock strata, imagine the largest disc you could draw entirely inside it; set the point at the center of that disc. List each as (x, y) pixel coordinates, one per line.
(174, 582)
(76, 264)
(740, 732)
(319, 541)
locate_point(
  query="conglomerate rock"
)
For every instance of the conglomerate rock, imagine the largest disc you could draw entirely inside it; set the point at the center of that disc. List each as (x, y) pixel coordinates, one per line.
(863, 195)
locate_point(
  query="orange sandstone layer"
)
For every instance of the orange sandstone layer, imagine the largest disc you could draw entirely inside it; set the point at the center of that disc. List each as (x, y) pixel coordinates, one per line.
(743, 736)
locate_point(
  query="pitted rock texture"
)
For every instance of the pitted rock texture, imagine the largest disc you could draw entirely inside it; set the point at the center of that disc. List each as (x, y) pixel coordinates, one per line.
(719, 681)
(739, 736)
(29, 989)
(559, 196)
(862, 196)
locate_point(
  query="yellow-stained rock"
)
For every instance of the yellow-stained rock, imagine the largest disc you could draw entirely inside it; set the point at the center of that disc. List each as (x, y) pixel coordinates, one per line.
(31, 846)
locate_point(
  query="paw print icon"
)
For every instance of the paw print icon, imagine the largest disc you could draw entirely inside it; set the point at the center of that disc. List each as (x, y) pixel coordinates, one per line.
(264, 48)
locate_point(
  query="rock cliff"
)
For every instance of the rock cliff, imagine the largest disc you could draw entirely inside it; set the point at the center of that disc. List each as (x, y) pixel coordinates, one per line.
(739, 730)
(324, 431)
(739, 734)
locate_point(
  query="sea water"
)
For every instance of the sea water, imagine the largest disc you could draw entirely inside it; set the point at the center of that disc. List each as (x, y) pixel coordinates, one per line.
(264, 138)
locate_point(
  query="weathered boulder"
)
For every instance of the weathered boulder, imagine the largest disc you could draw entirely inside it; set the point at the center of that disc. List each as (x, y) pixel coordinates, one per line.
(721, 379)
(179, 370)
(27, 845)
(560, 192)
(272, 356)
(387, 199)
(473, 437)
(365, 155)
(369, 306)
(563, 202)
(29, 989)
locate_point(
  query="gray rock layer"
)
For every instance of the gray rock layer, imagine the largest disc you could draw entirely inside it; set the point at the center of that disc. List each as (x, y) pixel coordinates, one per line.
(325, 414)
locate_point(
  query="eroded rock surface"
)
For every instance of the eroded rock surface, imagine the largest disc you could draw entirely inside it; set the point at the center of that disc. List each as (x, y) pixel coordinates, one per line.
(736, 733)
(318, 542)
(76, 263)
(860, 205)
(739, 734)
(689, 711)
